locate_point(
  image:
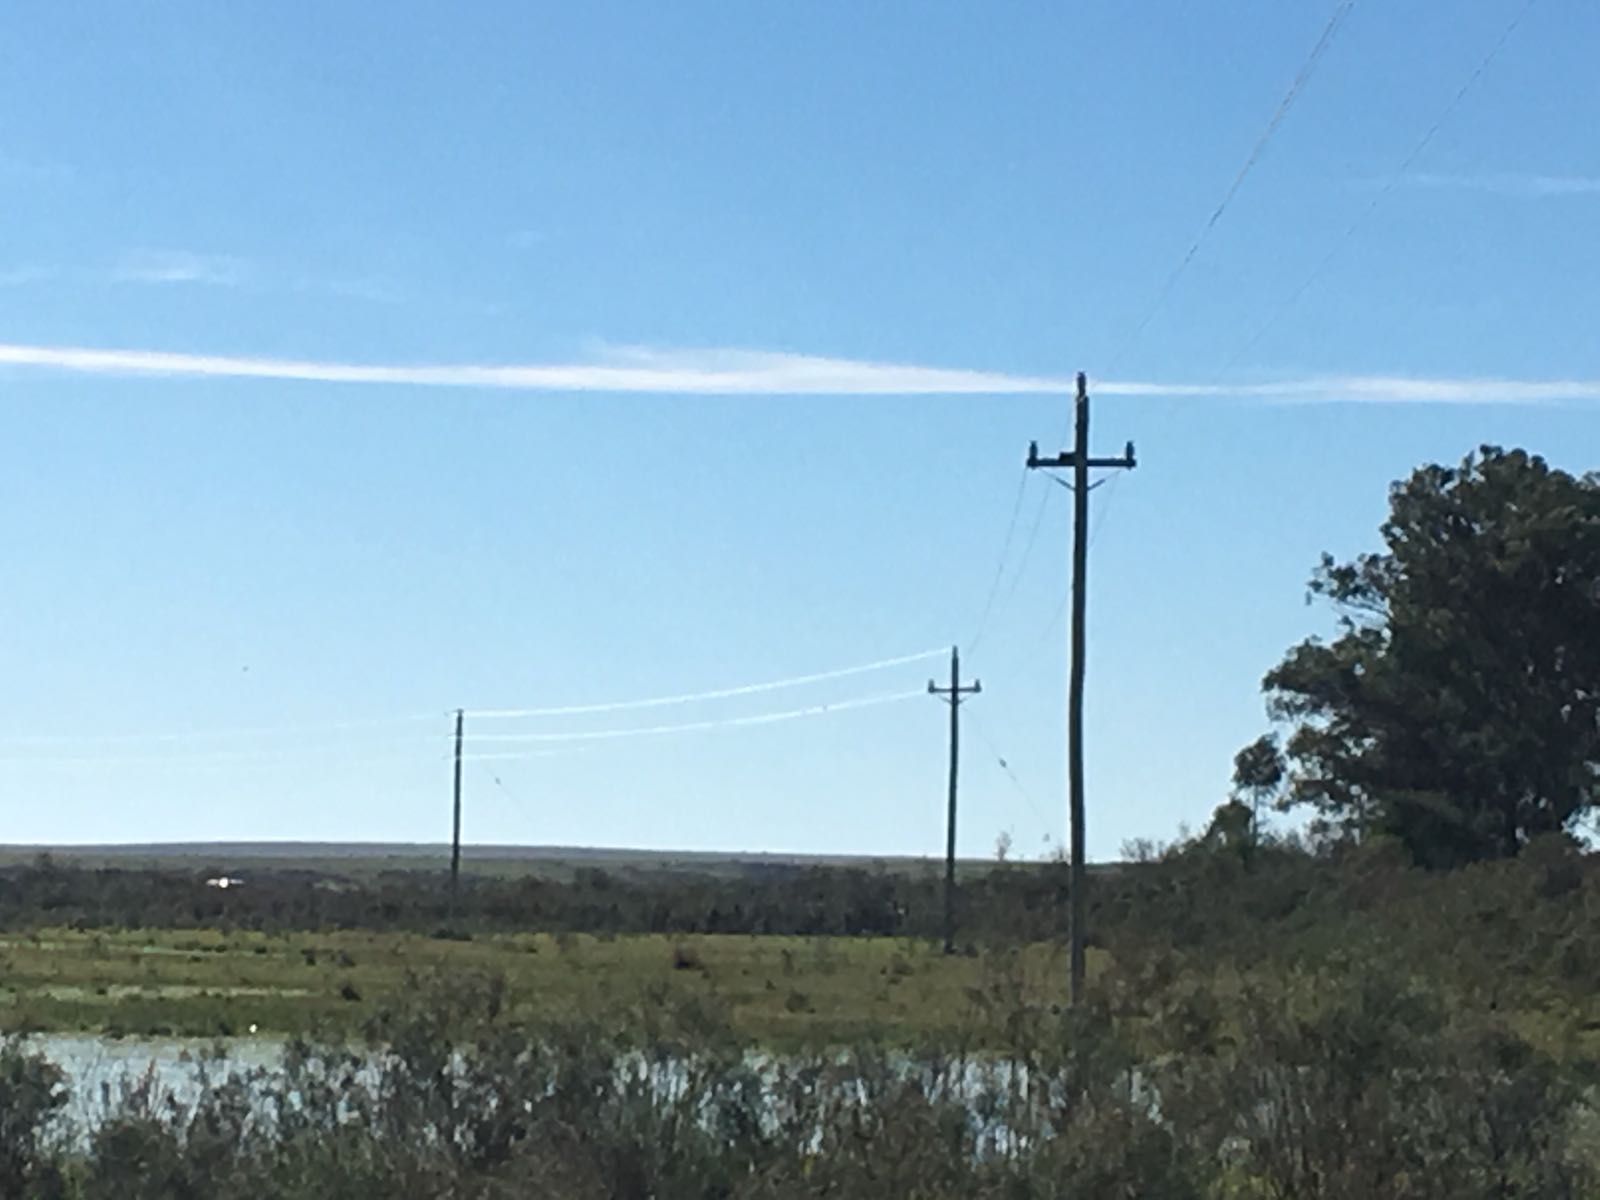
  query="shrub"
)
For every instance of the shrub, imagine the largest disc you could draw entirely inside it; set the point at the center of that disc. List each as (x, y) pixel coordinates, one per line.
(32, 1097)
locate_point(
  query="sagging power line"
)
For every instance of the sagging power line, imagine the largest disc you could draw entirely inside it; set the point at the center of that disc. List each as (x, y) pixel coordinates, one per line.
(1383, 193)
(375, 723)
(1026, 556)
(282, 756)
(65, 739)
(1004, 763)
(437, 741)
(603, 735)
(1296, 86)
(1000, 564)
(750, 689)
(461, 738)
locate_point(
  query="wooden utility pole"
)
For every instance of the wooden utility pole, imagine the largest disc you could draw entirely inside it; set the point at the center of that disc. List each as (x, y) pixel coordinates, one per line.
(954, 694)
(455, 835)
(1081, 464)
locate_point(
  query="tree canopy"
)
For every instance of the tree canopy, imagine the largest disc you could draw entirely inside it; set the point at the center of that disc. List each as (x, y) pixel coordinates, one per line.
(1459, 708)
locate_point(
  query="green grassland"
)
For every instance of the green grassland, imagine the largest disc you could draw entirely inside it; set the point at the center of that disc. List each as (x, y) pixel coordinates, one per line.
(778, 990)
(1196, 938)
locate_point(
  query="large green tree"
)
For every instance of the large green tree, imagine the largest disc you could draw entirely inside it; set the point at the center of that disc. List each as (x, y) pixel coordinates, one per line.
(1459, 708)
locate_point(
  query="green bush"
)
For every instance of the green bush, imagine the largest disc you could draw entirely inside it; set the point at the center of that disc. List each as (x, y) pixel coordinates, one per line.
(1357, 1082)
(32, 1097)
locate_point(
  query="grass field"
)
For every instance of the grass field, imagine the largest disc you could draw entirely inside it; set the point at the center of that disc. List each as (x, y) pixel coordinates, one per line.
(778, 990)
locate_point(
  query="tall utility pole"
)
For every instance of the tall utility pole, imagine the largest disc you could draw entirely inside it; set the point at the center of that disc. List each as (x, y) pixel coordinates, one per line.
(954, 694)
(1081, 464)
(455, 836)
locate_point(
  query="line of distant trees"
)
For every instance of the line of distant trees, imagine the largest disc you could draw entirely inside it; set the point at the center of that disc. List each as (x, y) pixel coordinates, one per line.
(1222, 895)
(813, 900)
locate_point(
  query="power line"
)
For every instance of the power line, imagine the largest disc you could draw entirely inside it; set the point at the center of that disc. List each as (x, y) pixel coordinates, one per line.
(301, 730)
(223, 758)
(508, 801)
(230, 758)
(1302, 77)
(1027, 551)
(698, 726)
(515, 805)
(694, 697)
(35, 739)
(1000, 566)
(1066, 595)
(578, 736)
(1405, 166)
(1105, 507)
(1005, 765)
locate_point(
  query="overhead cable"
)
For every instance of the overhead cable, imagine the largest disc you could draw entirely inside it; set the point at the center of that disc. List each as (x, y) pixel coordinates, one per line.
(751, 689)
(1000, 566)
(1027, 548)
(1296, 86)
(208, 734)
(1004, 765)
(1404, 169)
(325, 756)
(1066, 596)
(697, 726)
(304, 729)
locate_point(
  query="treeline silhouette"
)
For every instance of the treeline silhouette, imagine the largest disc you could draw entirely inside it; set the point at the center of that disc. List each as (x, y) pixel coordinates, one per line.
(808, 900)
(1202, 901)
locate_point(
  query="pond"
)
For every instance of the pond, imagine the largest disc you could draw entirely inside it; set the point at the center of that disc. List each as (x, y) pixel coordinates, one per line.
(98, 1068)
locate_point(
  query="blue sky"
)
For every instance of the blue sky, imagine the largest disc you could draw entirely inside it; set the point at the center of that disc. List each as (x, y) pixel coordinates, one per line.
(357, 370)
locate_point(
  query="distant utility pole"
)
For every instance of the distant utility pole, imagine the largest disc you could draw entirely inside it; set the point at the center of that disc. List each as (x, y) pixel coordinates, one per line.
(455, 836)
(954, 695)
(1081, 464)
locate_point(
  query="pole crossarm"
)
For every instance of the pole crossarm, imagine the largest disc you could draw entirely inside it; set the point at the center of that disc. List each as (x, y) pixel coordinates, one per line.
(1080, 462)
(1067, 460)
(953, 696)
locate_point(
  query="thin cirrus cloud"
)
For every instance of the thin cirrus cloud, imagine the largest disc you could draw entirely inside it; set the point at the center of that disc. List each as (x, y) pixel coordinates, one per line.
(1525, 186)
(648, 371)
(179, 267)
(1378, 389)
(625, 369)
(22, 276)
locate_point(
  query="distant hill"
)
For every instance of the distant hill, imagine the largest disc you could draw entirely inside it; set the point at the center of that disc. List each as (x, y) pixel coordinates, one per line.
(360, 858)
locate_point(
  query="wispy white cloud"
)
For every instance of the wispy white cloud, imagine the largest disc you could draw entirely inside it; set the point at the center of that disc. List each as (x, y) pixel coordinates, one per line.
(181, 266)
(629, 369)
(21, 276)
(1374, 389)
(1524, 186)
(760, 373)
